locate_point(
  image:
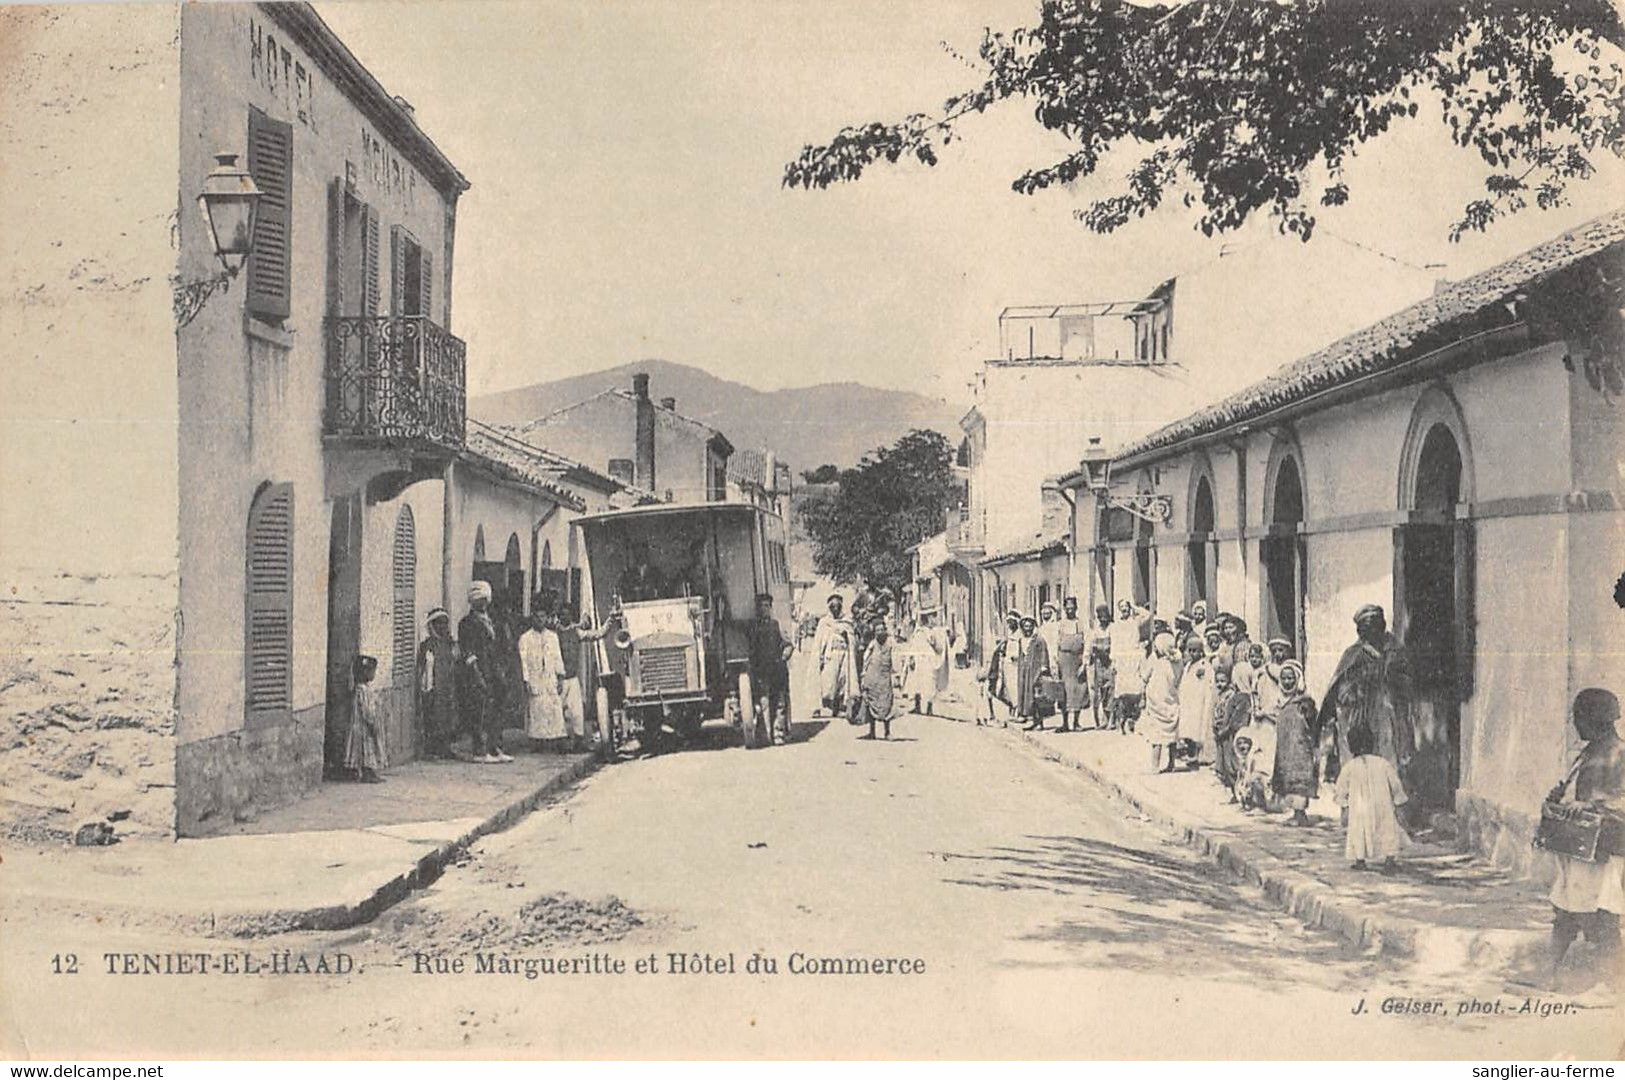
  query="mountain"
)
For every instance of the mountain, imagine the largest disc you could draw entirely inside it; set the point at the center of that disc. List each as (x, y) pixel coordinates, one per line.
(807, 426)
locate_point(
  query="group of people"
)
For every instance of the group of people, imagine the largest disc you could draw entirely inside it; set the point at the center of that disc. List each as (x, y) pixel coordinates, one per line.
(866, 675)
(498, 669)
(1200, 691)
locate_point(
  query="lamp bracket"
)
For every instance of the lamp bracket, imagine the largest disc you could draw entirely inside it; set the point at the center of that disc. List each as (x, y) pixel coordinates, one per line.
(190, 296)
(1157, 509)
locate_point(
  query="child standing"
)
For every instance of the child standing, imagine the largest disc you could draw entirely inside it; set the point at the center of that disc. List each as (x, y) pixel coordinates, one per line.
(878, 681)
(364, 750)
(1370, 787)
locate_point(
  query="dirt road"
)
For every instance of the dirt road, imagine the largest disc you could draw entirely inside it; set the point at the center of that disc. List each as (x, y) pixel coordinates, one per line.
(1011, 909)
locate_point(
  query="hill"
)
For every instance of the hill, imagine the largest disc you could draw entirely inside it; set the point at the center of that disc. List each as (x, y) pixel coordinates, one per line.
(807, 425)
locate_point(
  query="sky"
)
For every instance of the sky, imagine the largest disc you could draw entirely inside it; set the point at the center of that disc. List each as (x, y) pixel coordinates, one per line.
(626, 157)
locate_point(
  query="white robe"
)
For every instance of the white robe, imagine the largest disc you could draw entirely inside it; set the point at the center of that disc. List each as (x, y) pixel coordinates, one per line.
(541, 666)
(1369, 786)
(1196, 704)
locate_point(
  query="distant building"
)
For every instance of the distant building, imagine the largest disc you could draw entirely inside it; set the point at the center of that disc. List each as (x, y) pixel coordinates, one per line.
(1458, 463)
(646, 444)
(1108, 375)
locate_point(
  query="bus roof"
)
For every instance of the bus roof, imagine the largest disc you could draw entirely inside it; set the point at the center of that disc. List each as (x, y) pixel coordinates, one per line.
(705, 509)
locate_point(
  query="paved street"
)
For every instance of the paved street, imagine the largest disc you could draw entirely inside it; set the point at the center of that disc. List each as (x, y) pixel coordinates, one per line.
(1048, 923)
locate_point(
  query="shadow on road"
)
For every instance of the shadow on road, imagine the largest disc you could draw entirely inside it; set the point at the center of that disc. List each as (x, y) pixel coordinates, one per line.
(1150, 912)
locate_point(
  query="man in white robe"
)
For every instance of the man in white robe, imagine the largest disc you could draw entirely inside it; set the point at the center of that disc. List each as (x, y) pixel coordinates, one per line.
(835, 647)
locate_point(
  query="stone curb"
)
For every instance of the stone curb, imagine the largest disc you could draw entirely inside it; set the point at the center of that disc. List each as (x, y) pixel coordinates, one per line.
(422, 873)
(244, 922)
(1314, 902)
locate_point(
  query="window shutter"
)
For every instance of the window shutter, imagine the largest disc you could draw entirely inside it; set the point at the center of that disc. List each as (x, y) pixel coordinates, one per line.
(369, 297)
(1466, 627)
(270, 163)
(397, 270)
(268, 652)
(425, 284)
(335, 247)
(405, 569)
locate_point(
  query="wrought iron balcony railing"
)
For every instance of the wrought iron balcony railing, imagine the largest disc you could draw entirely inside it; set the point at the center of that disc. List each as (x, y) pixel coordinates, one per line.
(395, 379)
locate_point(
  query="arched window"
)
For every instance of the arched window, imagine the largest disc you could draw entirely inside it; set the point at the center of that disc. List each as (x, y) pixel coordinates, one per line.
(404, 572)
(479, 543)
(1283, 555)
(547, 555)
(513, 574)
(268, 614)
(1202, 555)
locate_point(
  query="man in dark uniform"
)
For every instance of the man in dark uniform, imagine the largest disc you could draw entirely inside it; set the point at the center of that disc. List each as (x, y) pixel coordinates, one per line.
(769, 668)
(481, 686)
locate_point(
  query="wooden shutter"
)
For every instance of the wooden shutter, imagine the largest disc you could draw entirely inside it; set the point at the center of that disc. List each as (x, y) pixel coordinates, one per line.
(270, 163)
(1466, 625)
(397, 265)
(405, 570)
(425, 283)
(369, 293)
(335, 247)
(268, 651)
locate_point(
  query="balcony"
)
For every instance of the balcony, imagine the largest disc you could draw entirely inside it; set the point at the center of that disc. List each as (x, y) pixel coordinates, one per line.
(395, 380)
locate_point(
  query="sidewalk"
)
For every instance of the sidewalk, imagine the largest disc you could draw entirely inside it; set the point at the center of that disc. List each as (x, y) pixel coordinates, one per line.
(331, 860)
(1445, 907)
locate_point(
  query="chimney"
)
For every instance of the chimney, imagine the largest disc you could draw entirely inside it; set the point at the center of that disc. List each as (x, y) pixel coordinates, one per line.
(770, 474)
(669, 404)
(622, 471)
(644, 433)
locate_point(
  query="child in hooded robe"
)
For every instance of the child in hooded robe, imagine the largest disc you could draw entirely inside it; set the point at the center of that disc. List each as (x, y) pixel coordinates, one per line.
(364, 748)
(1370, 787)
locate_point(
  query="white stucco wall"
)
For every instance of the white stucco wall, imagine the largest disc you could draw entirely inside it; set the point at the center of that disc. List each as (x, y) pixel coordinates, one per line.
(1038, 419)
(250, 408)
(1545, 617)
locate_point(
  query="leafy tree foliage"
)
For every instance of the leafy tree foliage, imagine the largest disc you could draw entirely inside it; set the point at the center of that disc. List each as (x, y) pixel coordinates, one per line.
(889, 502)
(1248, 105)
(824, 474)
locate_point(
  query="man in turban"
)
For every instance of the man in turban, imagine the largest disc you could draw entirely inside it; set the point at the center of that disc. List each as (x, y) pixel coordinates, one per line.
(481, 687)
(1372, 688)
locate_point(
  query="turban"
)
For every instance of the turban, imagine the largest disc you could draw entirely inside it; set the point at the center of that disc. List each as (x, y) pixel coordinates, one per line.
(1293, 666)
(480, 590)
(437, 613)
(1046, 606)
(1281, 641)
(1164, 643)
(1368, 611)
(1013, 614)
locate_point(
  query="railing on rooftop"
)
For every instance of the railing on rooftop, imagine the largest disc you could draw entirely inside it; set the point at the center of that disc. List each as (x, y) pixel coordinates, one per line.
(395, 378)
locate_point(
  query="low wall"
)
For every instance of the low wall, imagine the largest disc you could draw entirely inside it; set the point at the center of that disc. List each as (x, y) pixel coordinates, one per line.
(87, 697)
(229, 778)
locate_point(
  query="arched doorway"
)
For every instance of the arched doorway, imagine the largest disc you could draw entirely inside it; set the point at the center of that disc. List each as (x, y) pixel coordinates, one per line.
(1282, 556)
(1145, 564)
(1433, 596)
(1201, 553)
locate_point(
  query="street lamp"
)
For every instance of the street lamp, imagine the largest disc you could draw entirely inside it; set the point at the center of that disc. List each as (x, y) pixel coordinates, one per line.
(230, 203)
(1097, 470)
(1097, 466)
